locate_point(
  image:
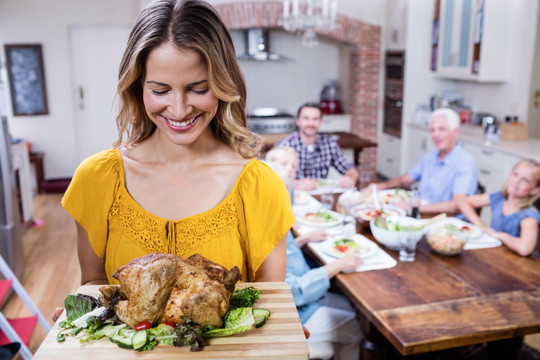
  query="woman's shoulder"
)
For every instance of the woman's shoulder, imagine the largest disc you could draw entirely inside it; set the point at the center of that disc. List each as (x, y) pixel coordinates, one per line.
(103, 164)
(256, 170)
(257, 176)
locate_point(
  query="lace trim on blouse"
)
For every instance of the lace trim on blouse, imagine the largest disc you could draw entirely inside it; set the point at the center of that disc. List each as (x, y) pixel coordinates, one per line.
(181, 237)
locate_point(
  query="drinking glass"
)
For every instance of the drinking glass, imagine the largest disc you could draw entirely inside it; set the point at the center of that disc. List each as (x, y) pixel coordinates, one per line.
(407, 248)
(327, 198)
(414, 202)
(349, 225)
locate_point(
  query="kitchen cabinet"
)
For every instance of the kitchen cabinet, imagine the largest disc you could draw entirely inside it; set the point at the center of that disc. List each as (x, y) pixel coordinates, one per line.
(419, 145)
(396, 21)
(493, 165)
(493, 169)
(389, 156)
(472, 39)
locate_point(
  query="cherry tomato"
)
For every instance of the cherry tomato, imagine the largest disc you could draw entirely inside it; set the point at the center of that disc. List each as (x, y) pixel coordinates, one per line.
(465, 227)
(170, 323)
(373, 213)
(143, 325)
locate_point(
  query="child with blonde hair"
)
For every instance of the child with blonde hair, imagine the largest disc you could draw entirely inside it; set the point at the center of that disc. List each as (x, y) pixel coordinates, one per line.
(514, 220)
(328, 316)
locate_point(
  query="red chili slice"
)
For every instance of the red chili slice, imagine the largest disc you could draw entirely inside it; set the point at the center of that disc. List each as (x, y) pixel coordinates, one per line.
(143, 325)
(170, 323)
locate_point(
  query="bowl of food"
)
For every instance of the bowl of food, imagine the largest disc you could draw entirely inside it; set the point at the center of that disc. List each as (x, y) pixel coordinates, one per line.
(445, 241)
(389, 230)
(348, 200)
(364, 213)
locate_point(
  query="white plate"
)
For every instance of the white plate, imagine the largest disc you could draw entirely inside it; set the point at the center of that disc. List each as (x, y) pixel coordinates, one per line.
(322, 183)
(301, 197)
(329, 223)
(366, 247)
(474, 231)
(387, 196)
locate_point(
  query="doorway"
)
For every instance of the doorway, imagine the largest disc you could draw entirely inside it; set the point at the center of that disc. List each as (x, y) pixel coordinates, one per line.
(96, 52)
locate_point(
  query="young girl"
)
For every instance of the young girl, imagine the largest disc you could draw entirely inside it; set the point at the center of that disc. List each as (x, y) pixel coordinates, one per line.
(514, 220)
(328, 316)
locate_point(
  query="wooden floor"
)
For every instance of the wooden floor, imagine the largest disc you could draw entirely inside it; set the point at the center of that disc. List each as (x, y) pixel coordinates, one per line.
(52, 268)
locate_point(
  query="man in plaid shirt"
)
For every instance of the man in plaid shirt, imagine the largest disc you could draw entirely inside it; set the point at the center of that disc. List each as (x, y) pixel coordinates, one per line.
(317, 152)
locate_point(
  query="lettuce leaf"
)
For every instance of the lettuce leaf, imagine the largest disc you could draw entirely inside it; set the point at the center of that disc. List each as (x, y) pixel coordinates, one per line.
(78, 305)
(236, 322)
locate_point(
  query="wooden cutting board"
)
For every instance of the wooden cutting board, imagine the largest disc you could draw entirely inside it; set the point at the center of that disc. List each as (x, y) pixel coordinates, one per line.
(281, 337)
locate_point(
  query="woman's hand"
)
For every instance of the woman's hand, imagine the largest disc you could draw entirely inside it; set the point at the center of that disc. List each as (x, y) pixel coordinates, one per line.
(57, 312)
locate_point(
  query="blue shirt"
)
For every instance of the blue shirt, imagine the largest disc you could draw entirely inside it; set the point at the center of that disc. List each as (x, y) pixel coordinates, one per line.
(440, 180)
(307, 285)
(315, 162)
(511, 223)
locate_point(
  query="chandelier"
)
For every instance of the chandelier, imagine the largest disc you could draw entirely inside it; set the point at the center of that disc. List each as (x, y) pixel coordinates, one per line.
(304, 18)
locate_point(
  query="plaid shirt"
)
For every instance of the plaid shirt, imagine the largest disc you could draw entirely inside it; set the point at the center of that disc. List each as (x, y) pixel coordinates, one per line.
(316, 163)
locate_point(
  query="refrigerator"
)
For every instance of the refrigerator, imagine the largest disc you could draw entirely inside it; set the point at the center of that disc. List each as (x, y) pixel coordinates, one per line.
(11, 227)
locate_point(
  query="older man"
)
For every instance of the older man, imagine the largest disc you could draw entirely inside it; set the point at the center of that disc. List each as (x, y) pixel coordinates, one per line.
(447, 174)
(317, 152)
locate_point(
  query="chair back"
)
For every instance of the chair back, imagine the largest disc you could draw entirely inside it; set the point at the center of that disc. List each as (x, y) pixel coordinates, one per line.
(480, 190)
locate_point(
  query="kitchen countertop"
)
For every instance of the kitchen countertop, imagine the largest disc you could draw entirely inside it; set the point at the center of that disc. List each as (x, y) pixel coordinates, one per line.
(529, 148)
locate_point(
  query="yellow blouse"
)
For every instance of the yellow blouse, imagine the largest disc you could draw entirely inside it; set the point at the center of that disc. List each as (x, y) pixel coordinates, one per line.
(241, 230)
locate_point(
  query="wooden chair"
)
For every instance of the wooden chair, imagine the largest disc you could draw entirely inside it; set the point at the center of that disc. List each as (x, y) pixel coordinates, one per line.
(18, 330)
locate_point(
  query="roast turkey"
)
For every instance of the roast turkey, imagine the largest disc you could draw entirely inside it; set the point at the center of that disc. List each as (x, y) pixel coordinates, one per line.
(165, 287)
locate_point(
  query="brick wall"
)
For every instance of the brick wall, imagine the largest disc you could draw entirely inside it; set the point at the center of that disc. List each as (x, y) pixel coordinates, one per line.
(364, 65)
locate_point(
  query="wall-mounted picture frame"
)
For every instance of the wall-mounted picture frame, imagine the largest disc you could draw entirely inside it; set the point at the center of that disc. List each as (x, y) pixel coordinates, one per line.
(27, 79)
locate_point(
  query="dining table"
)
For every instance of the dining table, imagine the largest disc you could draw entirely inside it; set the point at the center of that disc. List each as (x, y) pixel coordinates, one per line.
(486, 297)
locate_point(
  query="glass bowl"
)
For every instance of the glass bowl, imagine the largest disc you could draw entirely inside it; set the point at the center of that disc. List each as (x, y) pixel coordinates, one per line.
(446, 242)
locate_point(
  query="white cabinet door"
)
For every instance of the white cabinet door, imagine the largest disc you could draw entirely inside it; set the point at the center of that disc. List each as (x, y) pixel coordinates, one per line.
(396, 24)
(469, 27)
(455, 50)
(418, 144)
(389, 156)
(493, 166)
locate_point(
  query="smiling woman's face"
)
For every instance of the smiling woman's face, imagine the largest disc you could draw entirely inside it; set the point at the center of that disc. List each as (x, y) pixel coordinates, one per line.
(176, 94)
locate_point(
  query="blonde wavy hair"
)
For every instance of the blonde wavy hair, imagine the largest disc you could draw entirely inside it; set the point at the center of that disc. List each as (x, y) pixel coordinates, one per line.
(190, 25)
(531, 199)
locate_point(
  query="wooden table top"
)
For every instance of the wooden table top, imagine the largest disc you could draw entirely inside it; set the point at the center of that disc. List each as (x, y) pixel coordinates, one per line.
(439, 302)
(281, 337)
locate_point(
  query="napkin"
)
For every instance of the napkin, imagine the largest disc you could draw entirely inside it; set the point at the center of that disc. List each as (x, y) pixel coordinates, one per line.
(482, 242)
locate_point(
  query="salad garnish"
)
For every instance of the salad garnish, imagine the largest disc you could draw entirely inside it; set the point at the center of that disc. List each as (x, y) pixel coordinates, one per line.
(87, 320)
